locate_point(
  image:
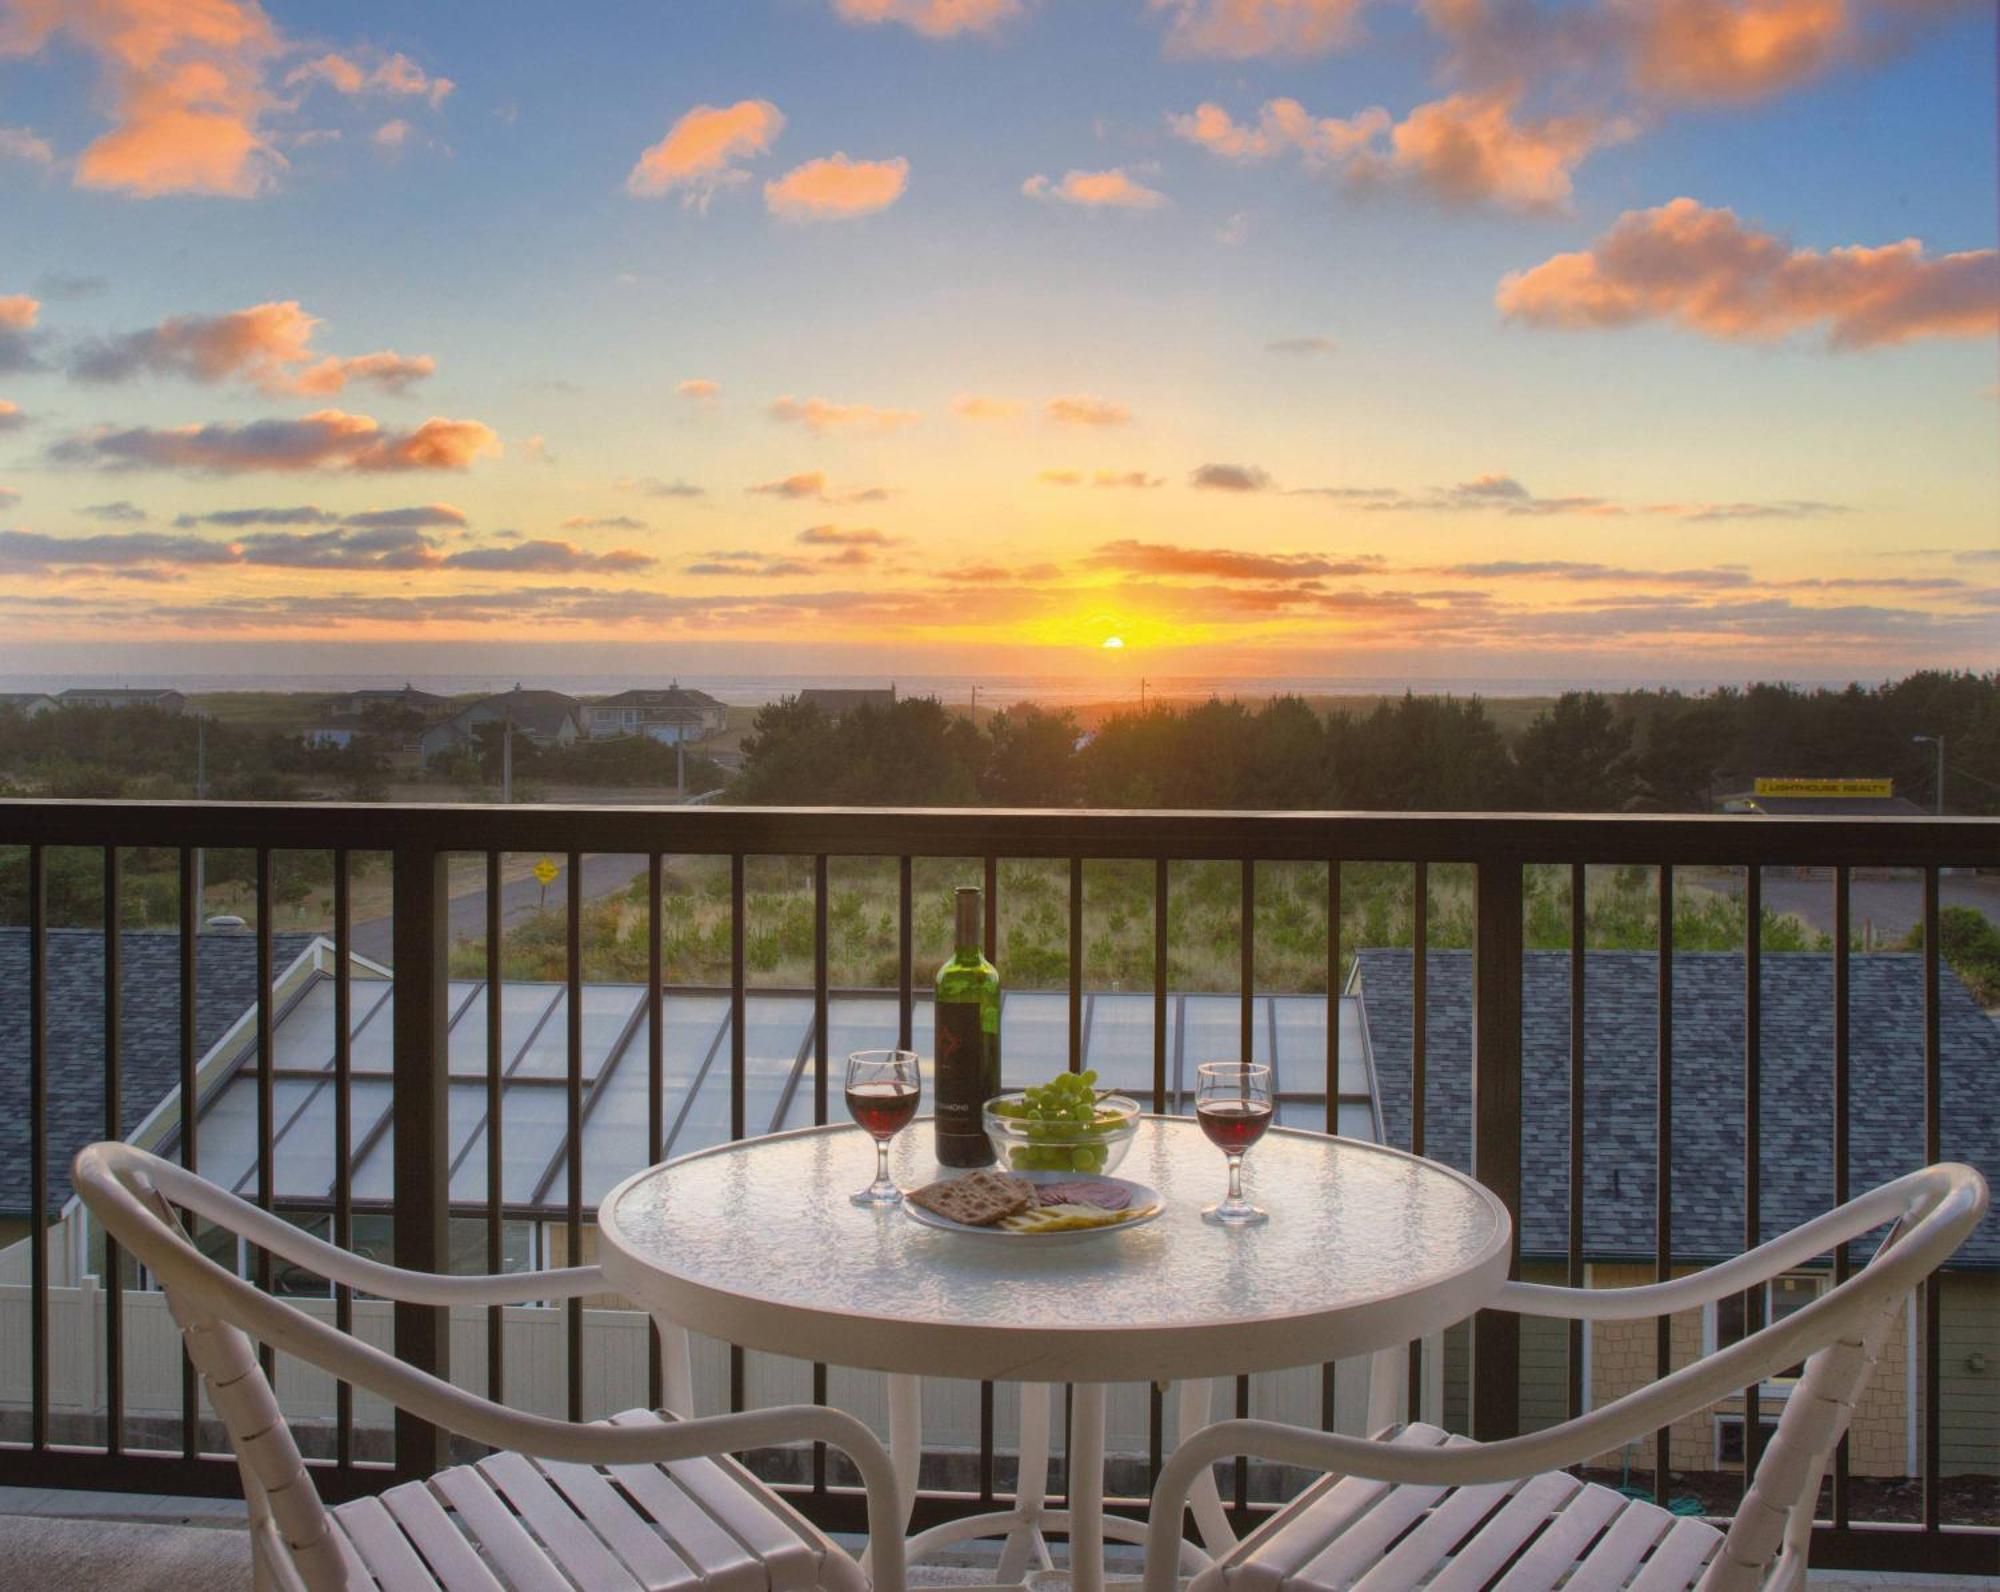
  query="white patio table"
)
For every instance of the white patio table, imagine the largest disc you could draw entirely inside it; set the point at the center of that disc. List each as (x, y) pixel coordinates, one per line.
(756, 1243)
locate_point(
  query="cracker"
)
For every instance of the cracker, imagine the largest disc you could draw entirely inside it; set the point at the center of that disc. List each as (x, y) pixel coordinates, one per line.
(979, 1199)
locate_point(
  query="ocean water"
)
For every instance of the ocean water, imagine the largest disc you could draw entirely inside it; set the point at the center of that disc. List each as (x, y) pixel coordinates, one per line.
(994, 690)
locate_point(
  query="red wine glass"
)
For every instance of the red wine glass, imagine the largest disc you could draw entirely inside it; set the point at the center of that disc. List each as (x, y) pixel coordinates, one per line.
(883, 1088)
(1233, 1105)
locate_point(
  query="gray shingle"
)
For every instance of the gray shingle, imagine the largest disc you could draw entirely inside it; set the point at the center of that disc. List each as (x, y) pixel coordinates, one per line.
(149, 1019)
(1621, 1030)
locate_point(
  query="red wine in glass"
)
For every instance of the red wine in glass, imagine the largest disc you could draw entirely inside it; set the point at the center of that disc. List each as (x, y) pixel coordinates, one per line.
(1233, 1126)
(883, 1087)
(882, 1109)
(1233, 1104)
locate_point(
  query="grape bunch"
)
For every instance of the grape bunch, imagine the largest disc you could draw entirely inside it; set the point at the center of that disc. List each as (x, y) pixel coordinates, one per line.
(1062, 1121)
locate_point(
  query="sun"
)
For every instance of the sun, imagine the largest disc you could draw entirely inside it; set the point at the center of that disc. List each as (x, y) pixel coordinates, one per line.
(1113, 643)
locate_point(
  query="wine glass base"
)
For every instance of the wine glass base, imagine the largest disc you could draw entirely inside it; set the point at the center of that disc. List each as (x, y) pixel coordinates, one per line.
(876, 1197)
(1227, 1215)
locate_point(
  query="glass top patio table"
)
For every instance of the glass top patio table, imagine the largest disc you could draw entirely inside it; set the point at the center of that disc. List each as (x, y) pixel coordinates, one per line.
(755, 1243)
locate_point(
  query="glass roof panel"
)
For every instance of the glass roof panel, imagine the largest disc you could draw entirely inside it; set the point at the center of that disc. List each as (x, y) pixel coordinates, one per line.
(1119, 1046)
(467, 1106)
(227, 1141)
(1301, 1023)
(1356, 1118)
(303, 1038)
(864, 1023)
(607, 1008)
(1034, 1036)
(614, 1134)
(774, 1032)
(1214, 1033)
(373, 1048)
(521, 1007)
(305, 1161)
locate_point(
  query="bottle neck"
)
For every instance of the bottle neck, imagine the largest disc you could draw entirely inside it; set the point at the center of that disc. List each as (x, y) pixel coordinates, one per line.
(969, 935)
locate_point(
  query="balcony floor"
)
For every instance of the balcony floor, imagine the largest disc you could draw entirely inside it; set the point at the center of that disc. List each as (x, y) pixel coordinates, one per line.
(135, 1542)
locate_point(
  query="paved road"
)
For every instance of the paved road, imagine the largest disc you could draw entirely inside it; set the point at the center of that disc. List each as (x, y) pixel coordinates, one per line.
(602, 876)
(1890, 907)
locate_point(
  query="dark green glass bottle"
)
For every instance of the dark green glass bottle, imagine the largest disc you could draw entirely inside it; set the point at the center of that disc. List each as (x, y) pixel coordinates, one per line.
(967, 1051)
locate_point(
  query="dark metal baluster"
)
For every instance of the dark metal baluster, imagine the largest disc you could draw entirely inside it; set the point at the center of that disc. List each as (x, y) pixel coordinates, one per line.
(496, 1185)
(991, 929)
(1753, 1141)
(38, 1144)
(573, 1122)
(1663, 1168)
(905, 991)
(1579, 903)
(343, 1138)
(1162, 1102)
(820, 1061)
(1842, 1256)
(1246, 1015)
(1076, 964)
(421, 1112)
(739, 1056)
(1496, 1131)
(1933, 1153)
(1327, 1376)
(114, 1106)
(267, 1182)
(1420, 1037)
(190, 914)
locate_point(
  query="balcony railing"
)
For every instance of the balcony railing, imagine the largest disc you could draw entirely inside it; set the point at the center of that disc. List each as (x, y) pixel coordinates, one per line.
(422, 840)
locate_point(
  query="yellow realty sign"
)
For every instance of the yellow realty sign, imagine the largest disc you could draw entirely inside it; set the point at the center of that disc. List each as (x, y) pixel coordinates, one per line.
(1826, 787)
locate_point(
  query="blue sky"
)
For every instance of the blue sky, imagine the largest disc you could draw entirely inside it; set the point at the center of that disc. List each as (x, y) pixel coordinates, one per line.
(1706, 434)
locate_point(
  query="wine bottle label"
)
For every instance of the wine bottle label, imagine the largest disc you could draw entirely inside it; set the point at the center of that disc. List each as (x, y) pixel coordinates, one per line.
(961, 1085)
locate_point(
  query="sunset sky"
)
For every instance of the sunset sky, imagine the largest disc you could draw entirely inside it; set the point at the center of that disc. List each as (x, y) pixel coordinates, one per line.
(1618, 338)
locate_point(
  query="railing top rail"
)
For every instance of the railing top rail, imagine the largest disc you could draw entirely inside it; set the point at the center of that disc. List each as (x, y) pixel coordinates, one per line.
(1014, 832)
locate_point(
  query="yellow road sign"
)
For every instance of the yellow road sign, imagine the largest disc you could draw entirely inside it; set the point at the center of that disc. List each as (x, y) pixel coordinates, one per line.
(545, 872)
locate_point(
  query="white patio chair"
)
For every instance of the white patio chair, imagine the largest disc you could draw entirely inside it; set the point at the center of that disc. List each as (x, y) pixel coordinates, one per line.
(1418, 1508)
(639, 1501)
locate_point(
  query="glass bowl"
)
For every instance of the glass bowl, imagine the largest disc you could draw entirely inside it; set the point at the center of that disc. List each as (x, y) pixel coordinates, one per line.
(1023, 1144)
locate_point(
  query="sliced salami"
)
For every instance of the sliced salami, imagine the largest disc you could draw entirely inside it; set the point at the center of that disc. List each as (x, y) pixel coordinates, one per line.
(1104, 1196)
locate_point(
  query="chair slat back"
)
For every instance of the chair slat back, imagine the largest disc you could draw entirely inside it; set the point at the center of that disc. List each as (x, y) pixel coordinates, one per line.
(276, 1482)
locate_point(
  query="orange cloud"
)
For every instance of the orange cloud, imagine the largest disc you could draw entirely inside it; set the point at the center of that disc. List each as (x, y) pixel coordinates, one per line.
(1085, 410)
(1733, 50)
(698, 155)
(699, 389)
(1240, 30)
(1282, 124)
(936, 19)
(835, 187)
(1470, 147)
(22, 144)
(11, 417)
(970, 406)
(268, 345)
(1217, 563)
(1704, 269)
(18, 337)
(1096, 189)
(1467, 147)
(327, 440)
(817, 414)
(398, 76)
(18, 312)
(1101, 478)
(842, 536)
(185, 83)
(813, 485)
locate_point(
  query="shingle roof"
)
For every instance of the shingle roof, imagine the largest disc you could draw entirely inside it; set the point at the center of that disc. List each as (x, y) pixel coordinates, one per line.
(677, 697)
(149, 1049)
(1886, 1051)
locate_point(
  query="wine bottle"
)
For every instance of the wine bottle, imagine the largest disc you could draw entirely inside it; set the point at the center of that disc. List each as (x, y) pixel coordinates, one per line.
(967, 1047)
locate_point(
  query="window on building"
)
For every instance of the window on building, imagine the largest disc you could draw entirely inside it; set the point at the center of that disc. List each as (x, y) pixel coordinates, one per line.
(1729, 1436)
(1782, 1297)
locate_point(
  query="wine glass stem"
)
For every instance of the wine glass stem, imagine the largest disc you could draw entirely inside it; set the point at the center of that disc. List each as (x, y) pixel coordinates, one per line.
(1236, 1178)
(881, 1162)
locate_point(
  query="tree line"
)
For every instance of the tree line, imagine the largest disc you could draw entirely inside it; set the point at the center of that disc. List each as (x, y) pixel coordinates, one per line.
(1643, 751)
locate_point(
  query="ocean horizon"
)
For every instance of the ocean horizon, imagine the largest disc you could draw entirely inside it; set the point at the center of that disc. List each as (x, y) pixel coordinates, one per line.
(997, 690)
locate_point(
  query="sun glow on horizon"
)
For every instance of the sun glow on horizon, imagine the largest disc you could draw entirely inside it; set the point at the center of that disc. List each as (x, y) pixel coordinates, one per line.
(1113, 643)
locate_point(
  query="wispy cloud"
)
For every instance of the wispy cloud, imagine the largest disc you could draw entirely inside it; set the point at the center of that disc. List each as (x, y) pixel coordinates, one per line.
(1703, 269)
(267, 345)
(1084, 409)
(1096, 190)
(822, 415)
(1229, 478)
(812, 485)
(937, 19)
(327, 440)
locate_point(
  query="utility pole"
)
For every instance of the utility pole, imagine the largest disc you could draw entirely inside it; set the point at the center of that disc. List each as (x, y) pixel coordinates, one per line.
(681, 764)
(1142, 693)
(975, 707)
(507, 761)
(1938, 742)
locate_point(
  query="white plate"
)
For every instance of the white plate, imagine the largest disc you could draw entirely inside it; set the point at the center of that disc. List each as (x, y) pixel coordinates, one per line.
(1141, 1196)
